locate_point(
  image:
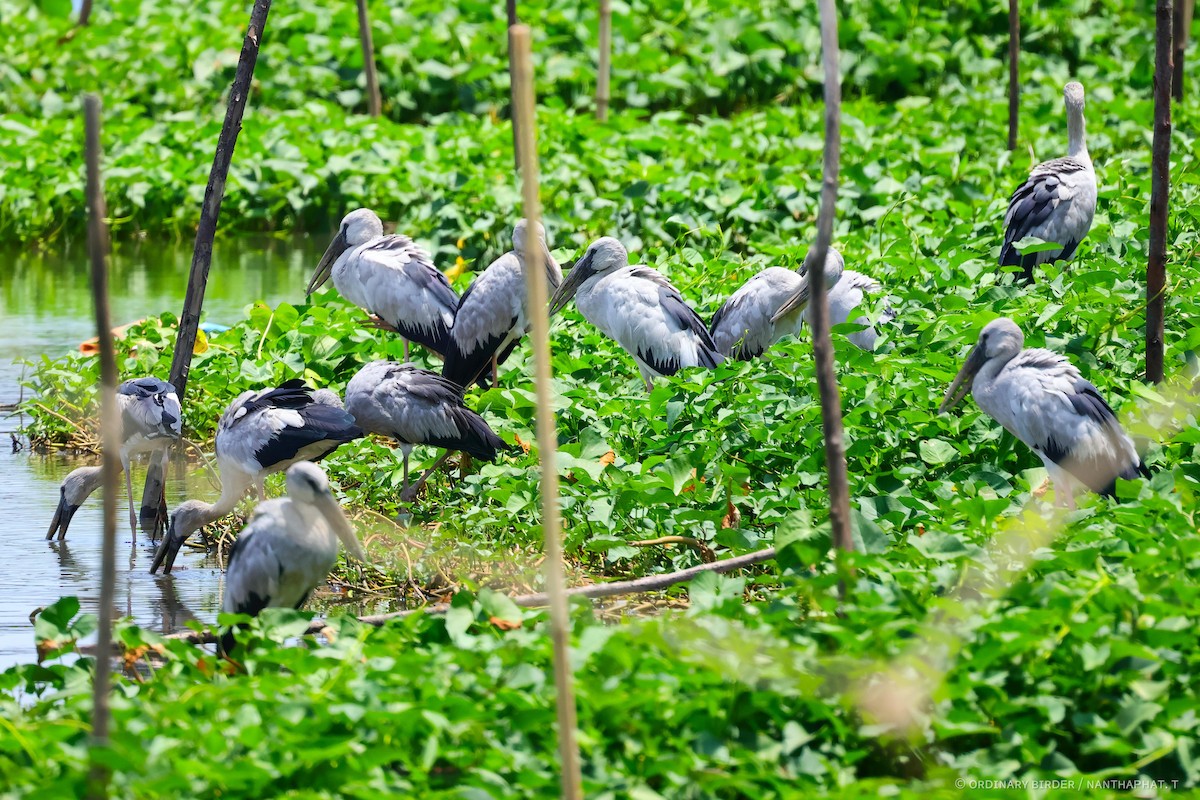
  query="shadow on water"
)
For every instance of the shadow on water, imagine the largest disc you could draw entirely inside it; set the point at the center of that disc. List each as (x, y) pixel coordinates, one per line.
(45, 309)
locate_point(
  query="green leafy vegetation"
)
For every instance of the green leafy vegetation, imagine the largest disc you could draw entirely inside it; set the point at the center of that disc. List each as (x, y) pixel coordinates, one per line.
(1057, 654)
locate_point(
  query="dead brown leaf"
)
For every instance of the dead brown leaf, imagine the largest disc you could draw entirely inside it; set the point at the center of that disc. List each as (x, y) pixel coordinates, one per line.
(505, 624)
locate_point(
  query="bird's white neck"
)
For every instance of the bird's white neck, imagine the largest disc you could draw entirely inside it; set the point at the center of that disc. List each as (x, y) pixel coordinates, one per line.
(1076, 134)
(233, 488)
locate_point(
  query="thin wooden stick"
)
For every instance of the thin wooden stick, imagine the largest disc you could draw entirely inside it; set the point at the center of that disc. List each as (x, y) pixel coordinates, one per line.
(189, 320)
(1160, 180)
(85, 13)
(818, 308)
(1014, 73)
(602, 79)
(653, 583)
(547, 438)
(1184, 9)
(110, 426)
(510, 10)
(374, 100)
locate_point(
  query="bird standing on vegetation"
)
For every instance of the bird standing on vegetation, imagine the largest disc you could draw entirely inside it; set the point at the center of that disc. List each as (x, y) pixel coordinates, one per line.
(287, 548)
(1041, 399)
(771, 305)
(416, 406)
(259, 434)
(492, 315)
(391, 278)
(1056, 204)
(151, 420)
(640, 309)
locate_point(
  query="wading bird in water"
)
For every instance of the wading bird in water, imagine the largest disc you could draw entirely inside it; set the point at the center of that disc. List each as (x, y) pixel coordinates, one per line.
(1041, 399)
(259, 434)
(492, 315)
(415, 406)
(287, 548)
(151, 420)
(1056, 204)
(638, 308)
(390, 278)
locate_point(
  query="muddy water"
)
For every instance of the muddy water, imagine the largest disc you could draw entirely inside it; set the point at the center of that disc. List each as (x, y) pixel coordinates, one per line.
(45, 309)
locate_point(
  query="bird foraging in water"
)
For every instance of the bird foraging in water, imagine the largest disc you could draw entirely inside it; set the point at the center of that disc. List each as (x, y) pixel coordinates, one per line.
(259, 434)
(287, 548)
(1056, 204)
(1041, 399)
(151, 420)
(638, 308)
(391, 278)
(415, 406)
(492, 315)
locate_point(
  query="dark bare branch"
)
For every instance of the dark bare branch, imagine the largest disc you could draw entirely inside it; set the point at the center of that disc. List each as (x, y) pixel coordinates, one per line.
(189, 320)
(374, 100)
(1014, 73)
(1160, 179)
(831, 404)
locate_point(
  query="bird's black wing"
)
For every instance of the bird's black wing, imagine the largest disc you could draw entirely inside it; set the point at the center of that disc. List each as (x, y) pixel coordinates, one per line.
(329, 425)
(688, 319)
(1031, 205)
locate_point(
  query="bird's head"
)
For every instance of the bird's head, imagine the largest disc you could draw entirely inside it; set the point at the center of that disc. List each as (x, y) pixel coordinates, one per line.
(307, 484)
(358, 227)
(188, 517)
(603, 255)
(835, 265)
(520, 235)
(1073, 95)
(1000, 339)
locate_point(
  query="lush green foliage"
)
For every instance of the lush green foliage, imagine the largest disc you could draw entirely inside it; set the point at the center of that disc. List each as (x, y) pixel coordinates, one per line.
(1082, 665)
(303, 158)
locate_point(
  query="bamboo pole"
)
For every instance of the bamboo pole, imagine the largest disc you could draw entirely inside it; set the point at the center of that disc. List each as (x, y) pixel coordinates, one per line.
(818, 307)
(1014, 73)
(602, 79)
(1160, 179)
(651, 583)
(110, 426)
(374, 100)
(510, 10)
(547, 438)
(1184, 9)
(193, 303)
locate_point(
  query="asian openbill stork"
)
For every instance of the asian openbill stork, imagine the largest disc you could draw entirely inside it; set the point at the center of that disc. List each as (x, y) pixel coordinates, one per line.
(390, 278)
(151, 420)
(287, 548)
(1041, 399)
(1056, 204)
(415, 406)
(639, 308)
(492, 315)
(259, 434)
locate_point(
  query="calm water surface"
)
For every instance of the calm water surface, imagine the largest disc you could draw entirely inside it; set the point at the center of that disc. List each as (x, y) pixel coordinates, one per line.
(45, 309)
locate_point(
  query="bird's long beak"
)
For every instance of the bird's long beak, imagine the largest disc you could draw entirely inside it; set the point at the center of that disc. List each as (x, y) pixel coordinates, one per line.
(963, 380)
(570, 285)
(168, 549)
(552, 279)
(332, 511)
(62, 519)
(797, 302)
(338, 246)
